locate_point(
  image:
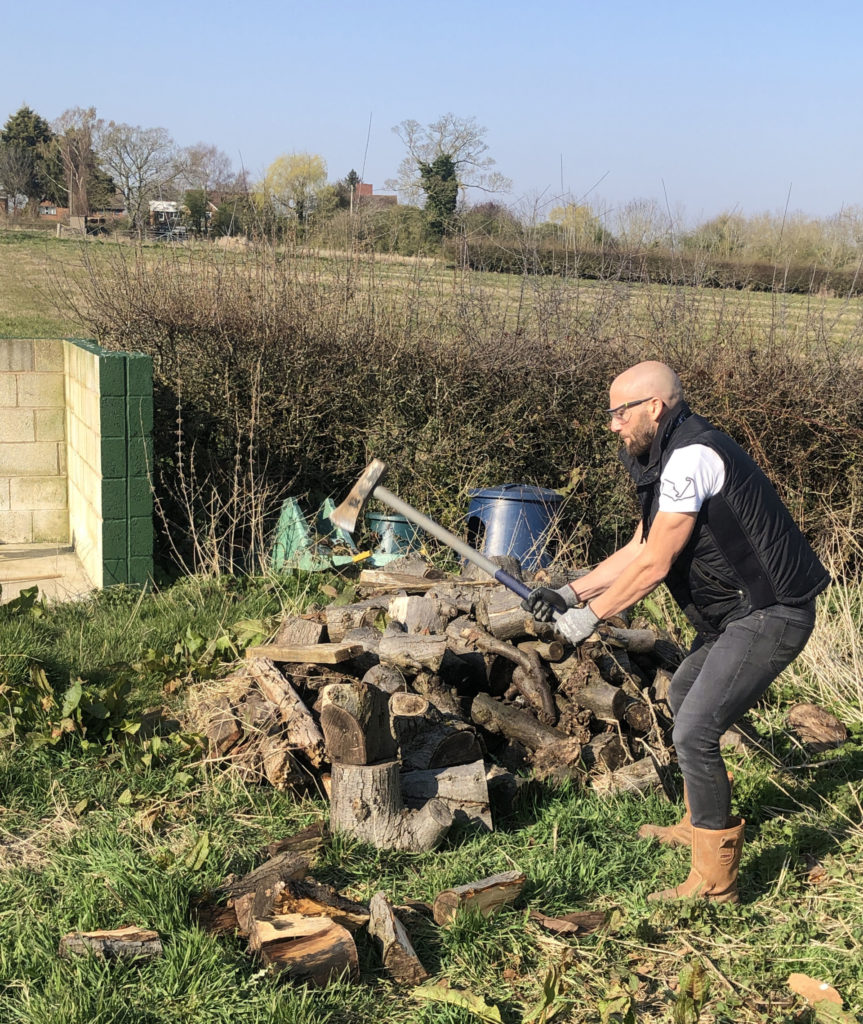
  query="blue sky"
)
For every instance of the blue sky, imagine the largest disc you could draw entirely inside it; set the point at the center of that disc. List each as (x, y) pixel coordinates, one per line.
(707, 107)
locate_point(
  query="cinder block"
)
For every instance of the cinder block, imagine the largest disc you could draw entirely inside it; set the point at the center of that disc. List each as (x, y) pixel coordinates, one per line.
(112, 374)
(139, 456)
(114, 570)
(140, 496)
(50, 424)
(140, 570)
(141, 537)
(16, 354)
(38, 492)
(16, 527)
(41, 390)
(139, 374)
(18, 425)
(38, 458)
(114, 538)
(140, 415)
(113, 499)
(49, 354)
(8, 389)
(4, 495)
(112, 416)
(51, 526)
(113, 457)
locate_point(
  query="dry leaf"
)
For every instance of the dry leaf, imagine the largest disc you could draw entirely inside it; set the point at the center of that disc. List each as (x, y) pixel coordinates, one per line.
(812, 990)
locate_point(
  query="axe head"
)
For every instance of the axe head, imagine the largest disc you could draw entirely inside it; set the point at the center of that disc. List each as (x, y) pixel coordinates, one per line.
(346, 515)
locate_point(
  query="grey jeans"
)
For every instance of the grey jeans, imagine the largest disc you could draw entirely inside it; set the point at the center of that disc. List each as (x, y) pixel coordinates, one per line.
(721, 678)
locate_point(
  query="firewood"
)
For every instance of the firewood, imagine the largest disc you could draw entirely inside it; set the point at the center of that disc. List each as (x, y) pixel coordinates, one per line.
(500, 613)
(316, 899)
(605, 751)
(661, 683)
(531, 683)
(397, 952)
(244, 911)
(426, 739)
(380, 581)
(637, 716)
(355, 723)
(483, 896)
(386, 678)
(421, 614)
(553, 650)
(581, 922)
(119, 944)
(462, 788)
(815, 727)
(301, 732)
(559, 762)
(310, 949)
(430, 685)
(295, 629)
(222, 730)
(366, 803)
(215, 920)
(281, 868)
(512, 723)
(504, 789)
(638, 777)
(604, 700)
(312, 654)
(307, 841)
(412, 652)
(341, 618)
(574, 673)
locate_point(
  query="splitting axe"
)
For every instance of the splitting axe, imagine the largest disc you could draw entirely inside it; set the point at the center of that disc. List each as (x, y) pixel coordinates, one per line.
(369, 486)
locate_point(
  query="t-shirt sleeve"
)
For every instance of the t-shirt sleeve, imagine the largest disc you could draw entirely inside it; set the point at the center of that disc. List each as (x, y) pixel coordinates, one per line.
(691, 476)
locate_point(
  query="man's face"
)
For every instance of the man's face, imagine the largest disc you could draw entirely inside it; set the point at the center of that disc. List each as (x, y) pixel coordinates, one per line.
(636, 426)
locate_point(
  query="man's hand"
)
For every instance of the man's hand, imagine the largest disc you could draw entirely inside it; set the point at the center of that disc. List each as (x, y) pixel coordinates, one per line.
(543, 602)
(577, 624)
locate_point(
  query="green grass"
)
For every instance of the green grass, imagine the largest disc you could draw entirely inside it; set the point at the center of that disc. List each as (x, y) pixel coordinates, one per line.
(101, 836)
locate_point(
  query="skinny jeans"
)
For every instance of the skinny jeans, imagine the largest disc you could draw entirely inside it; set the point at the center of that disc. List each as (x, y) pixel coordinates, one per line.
(721, 678)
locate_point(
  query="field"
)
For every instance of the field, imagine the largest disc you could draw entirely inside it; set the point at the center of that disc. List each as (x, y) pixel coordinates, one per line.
(119, 827)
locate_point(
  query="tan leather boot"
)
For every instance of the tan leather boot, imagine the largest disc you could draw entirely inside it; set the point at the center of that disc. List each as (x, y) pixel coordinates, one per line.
(674, 835)
(715, 863)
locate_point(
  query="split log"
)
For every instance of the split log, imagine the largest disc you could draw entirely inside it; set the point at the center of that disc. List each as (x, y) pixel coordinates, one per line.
(341, 618)
(282, 868)
(312, 654)
(222, 729)
(606, 751)
(308, 841)
(553, 650)
(421, 614)
(366, 803)
(427, 739)
(604, 700)
(581, 922)
(315, 899)
(301, 732)
(484, 896)
(397, 952)
(661, 683)
(386, 678)
(311, 949)
(462, 788)
(120, 944)
(531, 683)
(815, 727)
(638, 777)
(356, 725)
(512, 723)
(215, 920)
(412, 652)
(296, 629)
(500, 613)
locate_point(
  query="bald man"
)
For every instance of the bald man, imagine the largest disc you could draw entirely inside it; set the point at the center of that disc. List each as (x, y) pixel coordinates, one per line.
(715, 531)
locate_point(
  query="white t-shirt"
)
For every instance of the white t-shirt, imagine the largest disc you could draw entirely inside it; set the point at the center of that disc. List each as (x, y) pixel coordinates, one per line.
(691, 476)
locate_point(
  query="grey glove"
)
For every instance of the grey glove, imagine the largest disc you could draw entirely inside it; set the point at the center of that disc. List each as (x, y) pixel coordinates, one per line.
(543, 602)
(577, 624)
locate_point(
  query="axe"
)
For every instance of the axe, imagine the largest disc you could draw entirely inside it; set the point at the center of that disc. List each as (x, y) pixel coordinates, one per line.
(369, 486)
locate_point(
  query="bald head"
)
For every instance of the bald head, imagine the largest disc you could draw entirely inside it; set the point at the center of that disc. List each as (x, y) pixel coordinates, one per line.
(649, 379)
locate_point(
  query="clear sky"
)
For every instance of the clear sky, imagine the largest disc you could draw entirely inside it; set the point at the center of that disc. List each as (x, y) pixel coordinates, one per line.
(705, 106)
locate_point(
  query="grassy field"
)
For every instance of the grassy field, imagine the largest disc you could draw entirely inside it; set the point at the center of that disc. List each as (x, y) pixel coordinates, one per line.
(122, 826)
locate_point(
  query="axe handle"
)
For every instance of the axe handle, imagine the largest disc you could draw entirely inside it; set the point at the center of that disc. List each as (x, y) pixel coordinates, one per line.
(445, 537)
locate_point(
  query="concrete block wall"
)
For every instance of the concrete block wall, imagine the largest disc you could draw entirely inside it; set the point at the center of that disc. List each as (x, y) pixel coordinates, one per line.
(33, 481)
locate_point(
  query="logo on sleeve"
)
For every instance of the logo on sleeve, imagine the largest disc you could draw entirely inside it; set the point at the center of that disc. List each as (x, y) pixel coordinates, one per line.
(671, 490)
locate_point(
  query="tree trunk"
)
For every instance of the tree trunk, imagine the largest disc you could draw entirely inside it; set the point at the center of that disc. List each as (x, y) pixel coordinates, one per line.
(356, 724)
(397, 952)
(512, 723)
(462, 788)
(484, 896)
(366, 803)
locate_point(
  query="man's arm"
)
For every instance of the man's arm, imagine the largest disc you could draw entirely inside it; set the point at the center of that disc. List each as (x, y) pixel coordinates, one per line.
(602, 575)
(647, 568)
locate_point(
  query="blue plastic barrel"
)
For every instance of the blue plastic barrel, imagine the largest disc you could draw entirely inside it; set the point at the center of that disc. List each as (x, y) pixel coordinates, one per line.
(397, 534)
(515, 520)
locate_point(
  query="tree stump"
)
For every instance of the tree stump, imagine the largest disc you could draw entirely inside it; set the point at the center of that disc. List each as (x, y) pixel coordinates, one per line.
(462, 788)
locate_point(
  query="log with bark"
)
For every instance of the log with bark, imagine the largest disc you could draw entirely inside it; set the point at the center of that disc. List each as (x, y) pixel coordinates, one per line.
(301, 732)
(341, 618)
(428, 739)
(299, 629)
(462, 788)
(282, 868)
(310, 949)
(484, 896)
(421, 614)
(129, 943)
(356, 724)
(387, 678)
(511, 722)
(639, 777)
(397, 952)
(412, 652)
(815, 727)
(317, 899)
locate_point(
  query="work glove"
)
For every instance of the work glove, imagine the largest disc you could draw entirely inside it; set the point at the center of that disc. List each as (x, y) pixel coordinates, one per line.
(577, 624)
(543, 602)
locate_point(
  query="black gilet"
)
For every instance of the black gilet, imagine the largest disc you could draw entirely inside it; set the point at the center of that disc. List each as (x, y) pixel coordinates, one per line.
(745, 552)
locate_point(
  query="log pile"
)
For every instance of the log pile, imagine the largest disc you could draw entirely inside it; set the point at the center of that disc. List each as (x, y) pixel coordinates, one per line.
(415, 703)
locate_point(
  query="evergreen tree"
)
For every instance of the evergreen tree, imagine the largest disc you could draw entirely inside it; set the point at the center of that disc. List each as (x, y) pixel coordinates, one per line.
(440, 184)
(28, 133)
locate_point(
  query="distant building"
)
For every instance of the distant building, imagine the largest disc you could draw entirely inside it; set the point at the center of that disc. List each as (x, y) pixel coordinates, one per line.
(51, 211)
(364, 197)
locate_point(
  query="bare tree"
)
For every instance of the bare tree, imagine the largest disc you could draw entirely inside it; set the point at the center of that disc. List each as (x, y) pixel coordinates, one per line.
(74, 130)
(205, 167)
(16, 171)
(140, 160)
(461, 140)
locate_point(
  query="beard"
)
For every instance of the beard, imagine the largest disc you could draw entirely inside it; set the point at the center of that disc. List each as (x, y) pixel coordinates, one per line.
(641, 440)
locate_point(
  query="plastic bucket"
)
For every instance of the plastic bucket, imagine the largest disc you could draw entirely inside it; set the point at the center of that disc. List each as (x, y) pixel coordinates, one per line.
(397, 534)
(513, 519)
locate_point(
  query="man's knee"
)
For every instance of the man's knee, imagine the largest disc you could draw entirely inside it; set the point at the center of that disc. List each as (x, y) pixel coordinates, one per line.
(694, 739)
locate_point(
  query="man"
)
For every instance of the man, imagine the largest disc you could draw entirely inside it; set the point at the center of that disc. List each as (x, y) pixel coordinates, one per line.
(715, 531)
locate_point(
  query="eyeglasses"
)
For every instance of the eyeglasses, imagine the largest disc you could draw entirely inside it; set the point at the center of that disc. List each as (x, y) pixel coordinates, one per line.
(621, 412)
